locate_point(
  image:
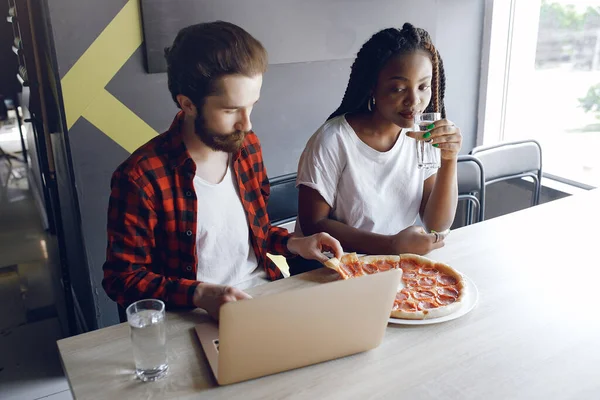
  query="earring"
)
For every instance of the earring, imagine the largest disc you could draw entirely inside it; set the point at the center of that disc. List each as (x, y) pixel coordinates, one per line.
(371, 99)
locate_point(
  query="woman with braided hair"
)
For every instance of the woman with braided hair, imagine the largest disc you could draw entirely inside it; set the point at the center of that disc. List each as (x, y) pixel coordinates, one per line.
(358, 176)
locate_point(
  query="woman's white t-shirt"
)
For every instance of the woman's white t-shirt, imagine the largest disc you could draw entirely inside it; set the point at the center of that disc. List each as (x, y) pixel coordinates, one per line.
(375, 191)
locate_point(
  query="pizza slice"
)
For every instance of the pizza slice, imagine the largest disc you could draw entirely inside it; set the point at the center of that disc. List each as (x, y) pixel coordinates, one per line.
(349, 266)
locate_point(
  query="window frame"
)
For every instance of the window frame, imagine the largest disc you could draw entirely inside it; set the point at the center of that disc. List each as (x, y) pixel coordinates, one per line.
(501, 63)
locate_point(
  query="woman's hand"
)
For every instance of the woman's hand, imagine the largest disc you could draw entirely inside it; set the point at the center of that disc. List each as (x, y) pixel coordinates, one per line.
(444, 135)
(415, 240)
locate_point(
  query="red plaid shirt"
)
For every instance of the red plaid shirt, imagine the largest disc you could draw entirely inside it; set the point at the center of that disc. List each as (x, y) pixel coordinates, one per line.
(152, 218)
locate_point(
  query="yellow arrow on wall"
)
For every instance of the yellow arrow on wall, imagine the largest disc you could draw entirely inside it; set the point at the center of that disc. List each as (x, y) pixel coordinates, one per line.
(83, 86)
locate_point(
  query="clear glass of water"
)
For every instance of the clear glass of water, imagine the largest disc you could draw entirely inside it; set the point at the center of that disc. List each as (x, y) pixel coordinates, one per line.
(427, 156)
(147, 322)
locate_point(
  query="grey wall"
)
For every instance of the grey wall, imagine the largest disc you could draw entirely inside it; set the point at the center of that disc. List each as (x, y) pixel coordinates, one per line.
(297, 95)
(459, 36)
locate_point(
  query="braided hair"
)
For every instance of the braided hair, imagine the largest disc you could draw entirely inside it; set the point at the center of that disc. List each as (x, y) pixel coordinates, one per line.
(376, 52)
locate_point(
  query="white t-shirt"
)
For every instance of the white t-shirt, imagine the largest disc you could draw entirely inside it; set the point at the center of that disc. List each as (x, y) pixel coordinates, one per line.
(375, 191)
(225, 254)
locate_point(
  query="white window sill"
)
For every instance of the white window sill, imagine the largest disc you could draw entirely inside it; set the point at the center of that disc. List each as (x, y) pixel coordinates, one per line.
(563, 187)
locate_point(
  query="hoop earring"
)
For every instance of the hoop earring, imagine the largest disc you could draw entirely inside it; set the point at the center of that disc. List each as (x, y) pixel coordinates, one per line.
(371, 99)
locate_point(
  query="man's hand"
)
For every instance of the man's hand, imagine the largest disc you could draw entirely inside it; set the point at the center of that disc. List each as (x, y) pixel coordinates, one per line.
(312, 247)
(211, 297)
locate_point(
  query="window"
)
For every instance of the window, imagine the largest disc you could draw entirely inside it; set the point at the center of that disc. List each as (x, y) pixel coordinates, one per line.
(549, 85)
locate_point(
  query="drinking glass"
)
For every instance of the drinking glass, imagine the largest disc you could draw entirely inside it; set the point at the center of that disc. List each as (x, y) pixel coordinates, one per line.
(427, 156)
(147, 323)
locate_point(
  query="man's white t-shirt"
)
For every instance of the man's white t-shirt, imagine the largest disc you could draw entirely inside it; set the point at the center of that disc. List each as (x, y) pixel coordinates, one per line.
(225, 254)
(375, 191)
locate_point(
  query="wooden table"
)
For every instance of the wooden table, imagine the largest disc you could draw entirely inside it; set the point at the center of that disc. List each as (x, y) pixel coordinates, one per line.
(535, 333)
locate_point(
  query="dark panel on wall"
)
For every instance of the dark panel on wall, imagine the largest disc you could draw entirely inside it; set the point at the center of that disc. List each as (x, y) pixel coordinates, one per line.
(291, 30)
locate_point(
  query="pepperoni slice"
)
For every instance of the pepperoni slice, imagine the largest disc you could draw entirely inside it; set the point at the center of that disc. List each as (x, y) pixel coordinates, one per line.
(409, 275)
(411, 283)
(426, 282)
(428, 271)
(447, 291)
(408, 306)
(445, 300)
(402, 295)
(353, 269)
(408, 265)
(369, 269)
(447, 280)
(423, 295)
(426, 305)
(347, 269)
(384, 265)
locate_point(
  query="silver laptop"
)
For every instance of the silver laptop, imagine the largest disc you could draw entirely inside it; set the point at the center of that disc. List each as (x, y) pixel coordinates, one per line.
(300, 327)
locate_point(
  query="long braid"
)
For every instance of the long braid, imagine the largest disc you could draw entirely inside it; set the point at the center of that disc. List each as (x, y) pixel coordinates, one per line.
(442, 83)
(439, 76)
(375, 53)
(370, 59)
(435, 95)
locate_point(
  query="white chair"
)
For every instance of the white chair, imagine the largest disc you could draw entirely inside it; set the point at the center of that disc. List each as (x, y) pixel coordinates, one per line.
(512, 160)
(471, 187)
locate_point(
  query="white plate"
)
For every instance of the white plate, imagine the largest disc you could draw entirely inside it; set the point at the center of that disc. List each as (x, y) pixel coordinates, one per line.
(469, 302)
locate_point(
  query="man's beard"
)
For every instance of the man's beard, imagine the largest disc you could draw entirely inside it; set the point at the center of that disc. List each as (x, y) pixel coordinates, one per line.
(229, 143)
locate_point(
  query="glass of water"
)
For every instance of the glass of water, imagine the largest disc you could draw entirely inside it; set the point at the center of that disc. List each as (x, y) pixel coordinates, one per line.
(147, 322)
(427, 156)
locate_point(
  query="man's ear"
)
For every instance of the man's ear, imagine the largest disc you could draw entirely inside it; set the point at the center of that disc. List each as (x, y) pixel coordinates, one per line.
(187, 105)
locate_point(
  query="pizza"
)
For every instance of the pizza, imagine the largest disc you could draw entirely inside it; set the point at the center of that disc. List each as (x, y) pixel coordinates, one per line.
(429, 289)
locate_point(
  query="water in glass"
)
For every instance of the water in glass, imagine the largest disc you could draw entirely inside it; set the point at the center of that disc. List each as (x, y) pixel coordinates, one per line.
(427, 155)
(149, 340)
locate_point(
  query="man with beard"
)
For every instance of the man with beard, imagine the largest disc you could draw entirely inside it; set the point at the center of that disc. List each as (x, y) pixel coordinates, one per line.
(187, 217)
